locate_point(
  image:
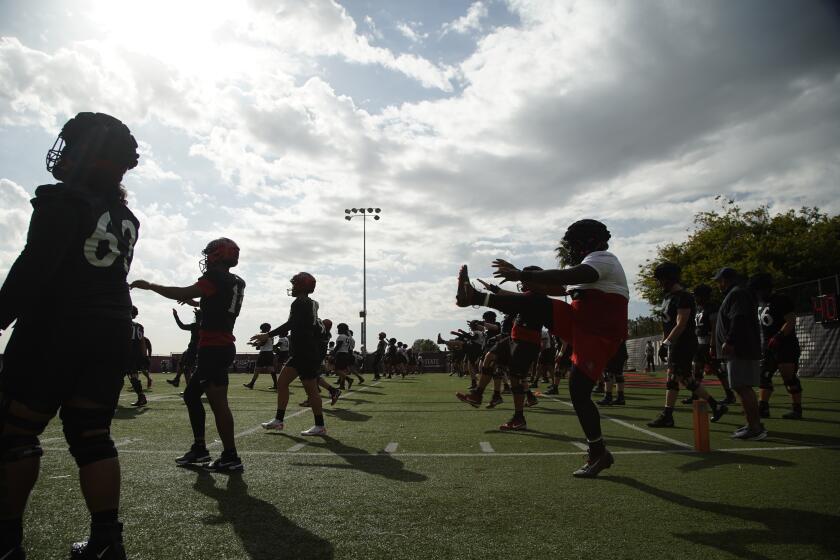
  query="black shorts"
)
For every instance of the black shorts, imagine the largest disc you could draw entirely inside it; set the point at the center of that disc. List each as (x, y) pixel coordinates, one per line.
(213, 364)
(307, 366)
(547, 356)
(87, 360)
(679, 364)
(265, 359)
(282, 358)
(143, 363)
(502, 351)
(343, 360)
(188, 358)
(522, 357)
(703, 355)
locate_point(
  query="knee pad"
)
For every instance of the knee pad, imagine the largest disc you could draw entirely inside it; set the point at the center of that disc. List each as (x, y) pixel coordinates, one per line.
(88, 433)
(793, 386)
(672, 384)
(15, 447)
(766, 380)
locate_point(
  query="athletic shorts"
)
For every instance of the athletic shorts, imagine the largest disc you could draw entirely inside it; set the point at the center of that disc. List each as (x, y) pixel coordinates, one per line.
(547, 356)
(590, 351)
(474, 352)
(679, 364)
(282, 357)
(785, 353)
(743, 373)
(702, 355)
(501, 349)
(343, 360)
(522, 357)
(86, 360)
(143, 363)
(188, 358)
(213, 363)
(307, 366)
(265, 359)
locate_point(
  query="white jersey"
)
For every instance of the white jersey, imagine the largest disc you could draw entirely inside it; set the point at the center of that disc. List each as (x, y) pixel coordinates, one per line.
(283, 344)
(545, 339)
(352, 343)
(267, 346)
(611, 277)
(342, 344)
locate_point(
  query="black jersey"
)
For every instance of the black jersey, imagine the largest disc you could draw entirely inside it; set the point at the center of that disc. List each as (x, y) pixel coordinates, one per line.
(380, 348)
(673, 302)
(138, 346)
(221, 301)
(78, 252)
(528, 323)
(306, 328)
(771, 316)
(704, 321)
(490, 337)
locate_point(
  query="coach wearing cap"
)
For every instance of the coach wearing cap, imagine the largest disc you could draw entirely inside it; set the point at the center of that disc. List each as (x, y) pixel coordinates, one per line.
(738, 344)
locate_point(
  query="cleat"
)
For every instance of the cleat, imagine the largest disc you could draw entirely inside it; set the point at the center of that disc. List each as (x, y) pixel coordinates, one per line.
(606, 401)
(440, 340)
(688, 400)
(273, 424)
(361, 381)
(173, 382)
(349, 383)
(315, 431)
(248, 385)
(553, 390)
(751, 435)
(531, 400)
(141, 401)
(740, 430)
(594, 465)
(226, 464)
(334, 396)
(514, 425)
(195, 456)
(107, 544)
(719, 411)
(465, 290)
(795, 414)
(469, 398)
(662, 421)
(619, 401)
(304, 404)
(495, 401)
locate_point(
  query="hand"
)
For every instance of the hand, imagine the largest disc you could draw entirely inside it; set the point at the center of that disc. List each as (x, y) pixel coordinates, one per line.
(492, 288)
(663, 352)
(258, 339)
(174, 312)
(506, 271)
(189, 302)
(141, 285)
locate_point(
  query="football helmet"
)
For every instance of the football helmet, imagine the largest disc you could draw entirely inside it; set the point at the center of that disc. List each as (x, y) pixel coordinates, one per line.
(667, 274)
(382, 336)
(265, 327)
(327, 325)
(342, 328)
(221, 250)
(92, 142)
(302, 283)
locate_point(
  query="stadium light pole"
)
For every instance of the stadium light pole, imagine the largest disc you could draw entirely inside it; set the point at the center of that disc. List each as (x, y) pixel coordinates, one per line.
(364, 214)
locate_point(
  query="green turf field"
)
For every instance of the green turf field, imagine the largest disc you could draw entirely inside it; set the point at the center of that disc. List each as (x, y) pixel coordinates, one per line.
(452, 486)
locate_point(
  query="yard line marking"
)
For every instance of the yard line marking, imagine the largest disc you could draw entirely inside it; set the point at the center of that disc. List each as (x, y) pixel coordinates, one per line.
(296, 447)
(478, 455)
(391, 447)
(580, 445)
(486, 447)
(298, 413)
(52, 439)
(632, 426)
(126, 441)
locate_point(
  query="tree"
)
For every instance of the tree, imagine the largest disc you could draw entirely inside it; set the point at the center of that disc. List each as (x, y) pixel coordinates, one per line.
(792, 246)
(424, 345)
(644, 326)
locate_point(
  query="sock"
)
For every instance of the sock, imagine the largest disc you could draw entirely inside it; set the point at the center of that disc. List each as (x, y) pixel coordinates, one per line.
(229, 452)
(518, 415)
(11, 533)
(281, 413)
(597, 447)
(319, 420)
(107, 516)
(135, 385)
(668, 412)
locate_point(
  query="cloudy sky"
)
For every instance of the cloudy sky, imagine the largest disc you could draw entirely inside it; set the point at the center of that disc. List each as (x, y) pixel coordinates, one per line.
(480, 128)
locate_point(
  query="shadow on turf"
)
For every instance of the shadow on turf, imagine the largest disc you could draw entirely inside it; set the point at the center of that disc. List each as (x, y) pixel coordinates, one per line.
(781, 526)
(718, 459)
(265, 533)
(380, 464)
(129, 412)
(347, 415)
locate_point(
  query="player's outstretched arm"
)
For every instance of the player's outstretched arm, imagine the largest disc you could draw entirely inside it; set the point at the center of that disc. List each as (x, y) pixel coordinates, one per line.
(580, 274)
(186, 293)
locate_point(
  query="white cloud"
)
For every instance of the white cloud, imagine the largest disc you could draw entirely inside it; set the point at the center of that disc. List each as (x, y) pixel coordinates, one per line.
(471, 21)
(410, 32)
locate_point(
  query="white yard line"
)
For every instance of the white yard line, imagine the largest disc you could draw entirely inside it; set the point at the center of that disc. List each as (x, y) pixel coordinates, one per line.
(631, 426)
(486, 447)
(298, 413)
(580, 445)
(484, 454)
(391, 447)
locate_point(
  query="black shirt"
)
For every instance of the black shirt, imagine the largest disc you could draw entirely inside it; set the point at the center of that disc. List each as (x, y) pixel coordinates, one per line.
(77, 255)
(686, 342)
(305, 326)
(221, 301)
(737, 324)
(771, 316)
(138, 345)
(704, 321)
